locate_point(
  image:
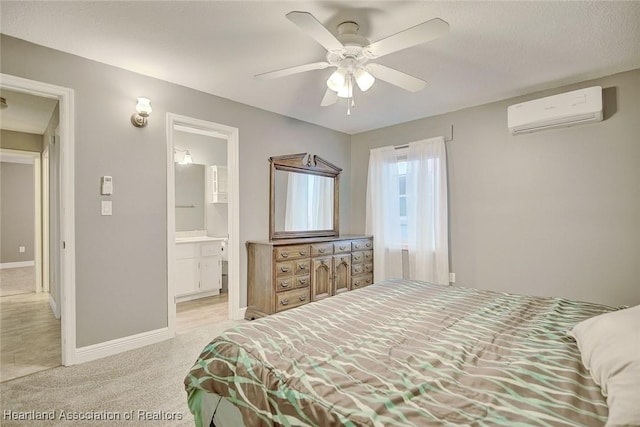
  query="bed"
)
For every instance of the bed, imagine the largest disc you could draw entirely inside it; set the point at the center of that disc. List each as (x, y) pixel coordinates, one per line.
(403, 353)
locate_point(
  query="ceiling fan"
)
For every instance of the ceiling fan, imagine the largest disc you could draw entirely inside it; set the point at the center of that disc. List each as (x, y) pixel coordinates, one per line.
(350, 53)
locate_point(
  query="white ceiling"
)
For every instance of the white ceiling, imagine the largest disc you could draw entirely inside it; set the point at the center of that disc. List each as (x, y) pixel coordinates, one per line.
(26, 113)
(495, 50)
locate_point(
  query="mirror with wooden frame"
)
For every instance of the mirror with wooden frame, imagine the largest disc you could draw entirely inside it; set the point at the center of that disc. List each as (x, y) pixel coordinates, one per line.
(304, 197)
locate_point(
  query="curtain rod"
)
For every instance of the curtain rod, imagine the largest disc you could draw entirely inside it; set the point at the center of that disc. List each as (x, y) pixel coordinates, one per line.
(446, 139)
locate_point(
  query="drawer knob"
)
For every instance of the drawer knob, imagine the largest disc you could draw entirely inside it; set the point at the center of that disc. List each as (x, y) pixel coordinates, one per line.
(302, 266)
(284, 254)
(368, 244)
(302, 253)
(302, 281)
(285, 301)
(284, 269)
(284, 284)
(303, 297)
(357, 246)
(322, 250)
(356, 284)
(342, 248)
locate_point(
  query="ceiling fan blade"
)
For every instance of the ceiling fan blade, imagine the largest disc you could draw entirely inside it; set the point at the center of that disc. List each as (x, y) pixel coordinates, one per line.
(330, 98)
(395, 77)
(293, 70)
(413, 36)
(310, 25)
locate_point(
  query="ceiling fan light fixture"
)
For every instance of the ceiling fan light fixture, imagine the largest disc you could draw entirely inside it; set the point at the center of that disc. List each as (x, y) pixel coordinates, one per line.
(337, 80)
(346, 91)
(364, 79)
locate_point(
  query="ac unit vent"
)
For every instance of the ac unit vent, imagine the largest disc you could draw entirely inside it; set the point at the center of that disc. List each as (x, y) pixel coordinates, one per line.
(566, 109)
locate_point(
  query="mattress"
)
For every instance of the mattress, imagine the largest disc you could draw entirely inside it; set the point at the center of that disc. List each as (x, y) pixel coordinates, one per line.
(405, 353)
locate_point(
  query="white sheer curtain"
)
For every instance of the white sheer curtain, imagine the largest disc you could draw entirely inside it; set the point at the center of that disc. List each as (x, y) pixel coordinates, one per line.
(427, 222)
(321, 199)
(383, 213)
(296, 209)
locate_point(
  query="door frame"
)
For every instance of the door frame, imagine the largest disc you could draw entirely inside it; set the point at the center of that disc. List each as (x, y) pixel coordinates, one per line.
(231, 134)
(65, 97)
(45, 220)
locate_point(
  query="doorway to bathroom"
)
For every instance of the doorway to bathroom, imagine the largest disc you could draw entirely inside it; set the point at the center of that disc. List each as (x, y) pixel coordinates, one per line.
(202, 172)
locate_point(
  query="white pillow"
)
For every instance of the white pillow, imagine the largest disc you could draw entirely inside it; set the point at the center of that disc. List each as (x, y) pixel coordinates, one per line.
(610, 348)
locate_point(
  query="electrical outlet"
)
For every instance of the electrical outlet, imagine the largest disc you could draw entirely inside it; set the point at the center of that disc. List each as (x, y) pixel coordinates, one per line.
(22, 249)
(452, 277)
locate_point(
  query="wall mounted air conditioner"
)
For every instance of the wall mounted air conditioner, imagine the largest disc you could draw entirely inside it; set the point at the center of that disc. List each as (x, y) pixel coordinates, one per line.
(566, 109)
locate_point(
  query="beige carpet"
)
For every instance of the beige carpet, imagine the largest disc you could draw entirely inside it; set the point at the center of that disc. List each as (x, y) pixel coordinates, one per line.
(20, 280)
(149, 379)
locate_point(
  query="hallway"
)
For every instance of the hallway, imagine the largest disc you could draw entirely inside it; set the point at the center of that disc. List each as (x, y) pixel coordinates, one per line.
(29, 335)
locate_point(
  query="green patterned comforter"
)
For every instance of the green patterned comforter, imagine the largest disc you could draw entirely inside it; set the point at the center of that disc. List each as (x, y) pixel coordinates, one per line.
(406, 353)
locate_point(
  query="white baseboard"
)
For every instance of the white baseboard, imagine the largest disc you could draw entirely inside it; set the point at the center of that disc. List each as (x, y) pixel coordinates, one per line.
(119, 345)
(54, 307)
(17, 264)
(242, 312)
(190, 297)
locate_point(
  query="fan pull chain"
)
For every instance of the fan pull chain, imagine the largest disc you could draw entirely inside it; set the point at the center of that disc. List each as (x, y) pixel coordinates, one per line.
(350, 94)
(350, 101)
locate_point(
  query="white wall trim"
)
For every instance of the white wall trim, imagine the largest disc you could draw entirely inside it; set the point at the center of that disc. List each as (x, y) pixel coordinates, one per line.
(231, 134)
(119, 345)
(65, 97)
(17, 264)
(54, 307)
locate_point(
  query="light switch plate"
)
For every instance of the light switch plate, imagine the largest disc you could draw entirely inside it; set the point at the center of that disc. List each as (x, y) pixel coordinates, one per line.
(106, 207)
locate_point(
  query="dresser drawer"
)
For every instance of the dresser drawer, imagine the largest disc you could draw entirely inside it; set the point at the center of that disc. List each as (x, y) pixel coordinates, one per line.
(361, 281)
(357, 269)
(291, 299)
(285, 283)
(319, 249)
(368, 268)
(357, 257)
(284, 268)
(291, 252)
(368, 256)
(301, 281)
(361, 244)
(302, 266)
(342, 247)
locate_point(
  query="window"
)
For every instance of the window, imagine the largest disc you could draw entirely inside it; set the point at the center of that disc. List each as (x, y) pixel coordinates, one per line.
(401, 155)
(407, 210)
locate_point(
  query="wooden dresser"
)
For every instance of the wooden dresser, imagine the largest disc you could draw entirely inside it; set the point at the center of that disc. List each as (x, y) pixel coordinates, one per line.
(287, 273)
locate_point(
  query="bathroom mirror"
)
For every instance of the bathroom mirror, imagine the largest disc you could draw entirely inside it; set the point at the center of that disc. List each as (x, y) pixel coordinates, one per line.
(304, 199)
(189, 197)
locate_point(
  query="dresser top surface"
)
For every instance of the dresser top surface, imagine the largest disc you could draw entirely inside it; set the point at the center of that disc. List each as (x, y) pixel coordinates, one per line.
(307, 240)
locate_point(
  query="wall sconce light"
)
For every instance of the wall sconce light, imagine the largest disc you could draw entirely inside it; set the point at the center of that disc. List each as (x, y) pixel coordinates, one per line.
(143, 109)
(186, 158)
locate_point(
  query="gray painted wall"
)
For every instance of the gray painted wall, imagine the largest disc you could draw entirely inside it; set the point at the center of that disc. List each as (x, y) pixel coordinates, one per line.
(17, 212)
(550, 213)
(121, 278)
